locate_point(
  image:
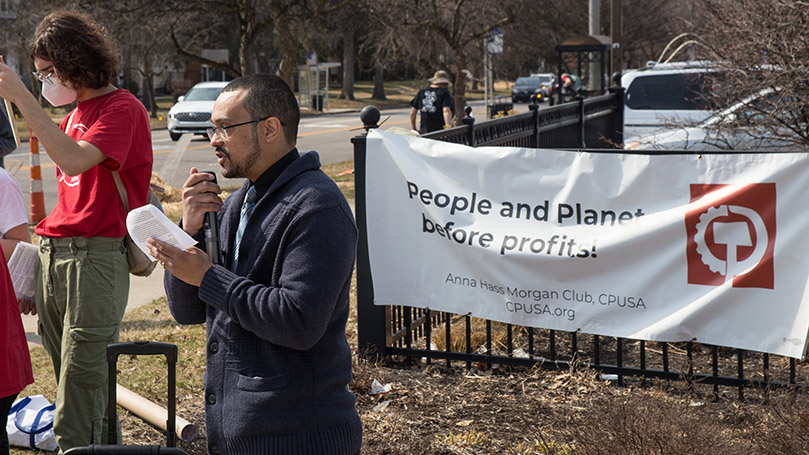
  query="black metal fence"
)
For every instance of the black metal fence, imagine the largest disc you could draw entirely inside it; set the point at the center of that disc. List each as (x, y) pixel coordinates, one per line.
(422, 333)
(584, 123)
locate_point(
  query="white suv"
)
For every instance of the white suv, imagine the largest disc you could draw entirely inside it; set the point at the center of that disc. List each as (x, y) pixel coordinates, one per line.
(192, 112)
(664, 96)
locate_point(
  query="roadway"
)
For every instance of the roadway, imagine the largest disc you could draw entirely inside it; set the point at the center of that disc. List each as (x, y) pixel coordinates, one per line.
(329, 134)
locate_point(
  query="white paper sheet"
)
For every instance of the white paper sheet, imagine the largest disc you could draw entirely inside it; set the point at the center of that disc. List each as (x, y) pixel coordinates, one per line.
(21, 267)
(149, 222)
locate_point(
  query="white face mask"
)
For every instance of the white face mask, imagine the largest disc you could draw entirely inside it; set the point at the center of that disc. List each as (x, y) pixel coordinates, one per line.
(57, 93)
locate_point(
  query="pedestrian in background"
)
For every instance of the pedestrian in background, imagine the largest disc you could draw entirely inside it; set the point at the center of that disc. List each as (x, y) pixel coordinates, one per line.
(82, 290)
(278, 363)
(434, 103)
(571, 85)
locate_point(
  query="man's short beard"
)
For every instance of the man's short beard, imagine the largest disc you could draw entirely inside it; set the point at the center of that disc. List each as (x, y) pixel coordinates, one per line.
(240, 170)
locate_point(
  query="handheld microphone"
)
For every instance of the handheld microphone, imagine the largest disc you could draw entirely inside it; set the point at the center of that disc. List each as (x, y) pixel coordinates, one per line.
(211, 227)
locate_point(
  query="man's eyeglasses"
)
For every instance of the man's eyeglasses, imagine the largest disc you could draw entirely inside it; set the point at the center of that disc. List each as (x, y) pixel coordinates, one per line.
(44, 74)
(222, 132)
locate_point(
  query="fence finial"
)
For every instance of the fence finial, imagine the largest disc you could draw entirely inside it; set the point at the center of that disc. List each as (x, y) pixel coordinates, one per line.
(468, 119)
(370, 117)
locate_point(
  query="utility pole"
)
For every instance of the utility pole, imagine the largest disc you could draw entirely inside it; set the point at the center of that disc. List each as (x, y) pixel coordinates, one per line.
(487, 92)
(491, 46)
(617, 30)
(594, 68)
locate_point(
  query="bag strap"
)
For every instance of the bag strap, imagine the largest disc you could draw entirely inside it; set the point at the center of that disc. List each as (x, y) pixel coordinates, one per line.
(19, 405)
(121, 190)
(35, 429)
(70, 120)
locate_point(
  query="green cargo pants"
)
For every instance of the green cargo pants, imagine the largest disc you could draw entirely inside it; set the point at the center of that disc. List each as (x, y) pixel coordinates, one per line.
(81, 297)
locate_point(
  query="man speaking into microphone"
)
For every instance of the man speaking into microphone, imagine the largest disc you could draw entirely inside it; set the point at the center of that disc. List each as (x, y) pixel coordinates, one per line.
(278, 363)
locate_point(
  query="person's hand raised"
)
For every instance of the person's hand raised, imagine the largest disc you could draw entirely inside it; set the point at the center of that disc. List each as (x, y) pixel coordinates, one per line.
(200, 196)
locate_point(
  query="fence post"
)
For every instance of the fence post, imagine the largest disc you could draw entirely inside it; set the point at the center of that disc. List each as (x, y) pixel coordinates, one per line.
(534, 107)
(371, 320)
(617, 130)
(580, 100)
(469, 121)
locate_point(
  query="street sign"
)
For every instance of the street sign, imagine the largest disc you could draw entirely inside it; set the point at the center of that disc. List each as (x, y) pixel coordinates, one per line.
(311, 58)
(494, 45)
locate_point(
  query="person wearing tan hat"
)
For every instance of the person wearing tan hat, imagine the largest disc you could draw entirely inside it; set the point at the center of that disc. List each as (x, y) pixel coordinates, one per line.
(434, 103)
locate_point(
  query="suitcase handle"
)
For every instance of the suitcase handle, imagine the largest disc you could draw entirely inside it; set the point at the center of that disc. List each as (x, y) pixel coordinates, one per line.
(109, 449)
(143, 348)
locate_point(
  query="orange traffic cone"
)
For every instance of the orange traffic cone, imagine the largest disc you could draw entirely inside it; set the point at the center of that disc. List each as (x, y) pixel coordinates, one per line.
(37, 196)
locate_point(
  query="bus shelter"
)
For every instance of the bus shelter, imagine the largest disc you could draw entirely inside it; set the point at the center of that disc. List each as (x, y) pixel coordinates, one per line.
(313, 85)
(586, 57)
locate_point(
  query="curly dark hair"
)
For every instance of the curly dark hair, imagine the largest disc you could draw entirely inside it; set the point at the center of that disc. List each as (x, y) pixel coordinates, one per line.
(80, 50)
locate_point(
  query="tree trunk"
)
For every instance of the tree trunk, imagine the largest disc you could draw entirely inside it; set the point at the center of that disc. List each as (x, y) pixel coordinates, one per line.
(288, 41)
(459, 97)
(150, 94)
(379, 83)
(348, 64)
(247, 29)
(289, 44)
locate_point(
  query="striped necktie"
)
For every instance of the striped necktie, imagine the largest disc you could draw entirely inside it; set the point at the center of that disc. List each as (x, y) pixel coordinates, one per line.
(247, 208)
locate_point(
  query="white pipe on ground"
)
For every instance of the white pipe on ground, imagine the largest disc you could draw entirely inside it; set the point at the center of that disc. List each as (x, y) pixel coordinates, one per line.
(154, 414)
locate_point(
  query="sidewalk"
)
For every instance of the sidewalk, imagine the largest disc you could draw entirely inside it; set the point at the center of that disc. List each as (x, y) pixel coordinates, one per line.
(141, 291)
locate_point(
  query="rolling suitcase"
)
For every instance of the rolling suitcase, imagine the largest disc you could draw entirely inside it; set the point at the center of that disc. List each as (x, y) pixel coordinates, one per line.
(137, 348)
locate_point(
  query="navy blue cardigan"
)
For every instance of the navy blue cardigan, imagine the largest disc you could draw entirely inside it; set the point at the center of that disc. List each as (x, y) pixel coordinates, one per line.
(278, 361)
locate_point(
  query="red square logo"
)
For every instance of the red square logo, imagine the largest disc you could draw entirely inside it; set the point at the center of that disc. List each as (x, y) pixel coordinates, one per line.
(731, 235)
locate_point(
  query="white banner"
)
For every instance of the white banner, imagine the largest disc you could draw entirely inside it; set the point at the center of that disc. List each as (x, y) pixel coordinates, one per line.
(709, 248)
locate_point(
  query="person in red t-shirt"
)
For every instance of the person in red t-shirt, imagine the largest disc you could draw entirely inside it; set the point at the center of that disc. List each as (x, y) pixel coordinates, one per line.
(82, 292)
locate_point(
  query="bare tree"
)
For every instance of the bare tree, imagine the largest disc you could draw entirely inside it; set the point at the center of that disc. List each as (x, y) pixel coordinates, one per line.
(189, 38)
(288, 21)
(349, 62)
(290, 18)
(541, 25)
(452, 30)
(16, 33)
(764, 45)
(354, 15)
(144, 46)
(384, 44)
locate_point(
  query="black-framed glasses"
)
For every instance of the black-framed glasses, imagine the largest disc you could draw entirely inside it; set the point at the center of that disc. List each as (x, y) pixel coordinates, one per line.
(42, 76)
(222, 132)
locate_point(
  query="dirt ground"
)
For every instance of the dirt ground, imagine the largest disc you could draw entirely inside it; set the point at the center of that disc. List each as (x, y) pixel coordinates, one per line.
(432, 410)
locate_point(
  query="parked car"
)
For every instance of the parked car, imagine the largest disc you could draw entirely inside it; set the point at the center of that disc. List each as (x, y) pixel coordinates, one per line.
(523, 88)
(667, 95)
(734, 128)
(192, 112)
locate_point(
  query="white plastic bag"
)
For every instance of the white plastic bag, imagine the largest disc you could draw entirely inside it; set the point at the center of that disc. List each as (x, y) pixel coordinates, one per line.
(30, 423)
